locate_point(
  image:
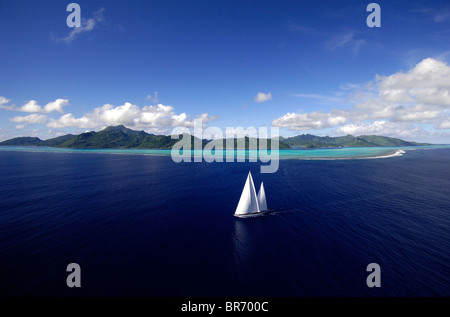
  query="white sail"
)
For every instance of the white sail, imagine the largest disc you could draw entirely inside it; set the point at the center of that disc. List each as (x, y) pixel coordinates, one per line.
(248, 203)
(262, 198)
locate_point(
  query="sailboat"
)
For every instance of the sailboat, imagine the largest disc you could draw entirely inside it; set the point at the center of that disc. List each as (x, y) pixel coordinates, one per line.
(251, 204)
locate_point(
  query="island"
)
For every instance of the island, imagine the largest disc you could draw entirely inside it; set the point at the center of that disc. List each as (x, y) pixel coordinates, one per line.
(120, 137)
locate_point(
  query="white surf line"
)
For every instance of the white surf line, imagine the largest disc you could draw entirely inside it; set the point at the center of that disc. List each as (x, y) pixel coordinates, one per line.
(328, 158)
(108, 151)
(397, 153)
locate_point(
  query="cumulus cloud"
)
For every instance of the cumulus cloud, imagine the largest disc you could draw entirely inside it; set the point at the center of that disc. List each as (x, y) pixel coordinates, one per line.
(403, 130)
(32, 106)
(3, 101)
(56, 105)
(309, 121)
(157, 119)
(387, 105)
(262, 97)
(68, 120)
(30, 119)
(421, 95)
(377, 127)
(444, 123)
(428, 82)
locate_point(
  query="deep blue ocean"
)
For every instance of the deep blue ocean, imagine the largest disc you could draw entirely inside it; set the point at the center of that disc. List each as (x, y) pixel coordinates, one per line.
(146, 226)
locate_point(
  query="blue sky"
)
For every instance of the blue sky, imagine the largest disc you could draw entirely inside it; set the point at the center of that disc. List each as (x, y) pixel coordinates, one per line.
(154, 65)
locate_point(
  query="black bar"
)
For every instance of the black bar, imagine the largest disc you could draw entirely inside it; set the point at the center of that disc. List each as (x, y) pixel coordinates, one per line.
(201, 305)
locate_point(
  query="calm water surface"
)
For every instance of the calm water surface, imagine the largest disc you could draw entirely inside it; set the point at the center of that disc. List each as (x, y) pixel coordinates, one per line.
(142, 225)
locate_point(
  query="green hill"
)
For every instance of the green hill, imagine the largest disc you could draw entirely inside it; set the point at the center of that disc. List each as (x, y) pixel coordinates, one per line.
(121, 137)
(23, 141)
(116, 137)
(312, 141)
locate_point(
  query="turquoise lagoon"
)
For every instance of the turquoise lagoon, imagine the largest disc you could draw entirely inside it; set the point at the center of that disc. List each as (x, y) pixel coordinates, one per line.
(320, 153)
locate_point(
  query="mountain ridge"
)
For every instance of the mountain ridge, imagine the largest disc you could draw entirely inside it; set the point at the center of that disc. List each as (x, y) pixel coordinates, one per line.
(312, 141)
(122, 137)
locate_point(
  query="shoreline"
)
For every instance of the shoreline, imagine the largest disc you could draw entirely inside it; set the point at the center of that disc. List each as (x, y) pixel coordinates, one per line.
(392, 153)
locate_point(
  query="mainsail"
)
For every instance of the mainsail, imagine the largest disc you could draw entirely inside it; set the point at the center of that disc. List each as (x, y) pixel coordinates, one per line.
(262, 198)
(248, 203)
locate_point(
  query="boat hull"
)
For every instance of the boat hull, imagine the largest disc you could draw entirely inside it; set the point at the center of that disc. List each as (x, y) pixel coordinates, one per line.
(251, 214)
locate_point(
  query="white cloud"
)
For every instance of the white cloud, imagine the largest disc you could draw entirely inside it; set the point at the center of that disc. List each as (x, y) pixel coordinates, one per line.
(428, 82)
(155, 119)
(420, 95)
(3, 101)
(30, 119)
(68, 120)
(403, 130)
(124, 114)
(417, 113)
(32, 106)
(336, 120)
(56, 105)
(445, 124)
(390, 104)
(4, 104)
(309, 121)
(262, 97)
(377, 127)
